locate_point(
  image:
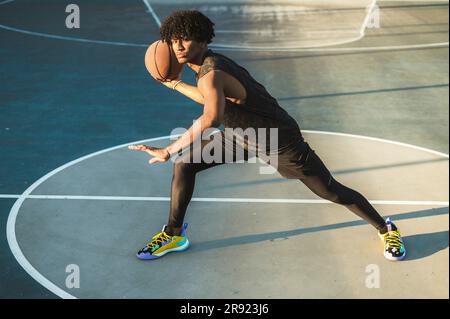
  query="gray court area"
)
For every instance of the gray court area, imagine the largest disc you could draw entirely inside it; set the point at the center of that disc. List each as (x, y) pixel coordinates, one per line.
(371, 101)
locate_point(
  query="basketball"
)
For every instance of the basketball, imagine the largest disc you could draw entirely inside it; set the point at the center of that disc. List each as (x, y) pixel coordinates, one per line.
(161, 62)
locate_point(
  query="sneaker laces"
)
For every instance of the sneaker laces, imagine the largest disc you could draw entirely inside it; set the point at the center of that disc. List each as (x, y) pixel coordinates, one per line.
(158, 239)
(393, 239)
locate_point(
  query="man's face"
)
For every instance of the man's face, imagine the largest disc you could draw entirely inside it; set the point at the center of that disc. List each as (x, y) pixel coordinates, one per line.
(187, 50)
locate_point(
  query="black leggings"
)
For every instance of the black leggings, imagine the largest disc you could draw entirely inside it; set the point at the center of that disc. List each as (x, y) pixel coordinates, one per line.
(295, 161)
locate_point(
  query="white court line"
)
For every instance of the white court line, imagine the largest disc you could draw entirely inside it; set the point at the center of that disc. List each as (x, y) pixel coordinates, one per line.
(152, 12)
(382, 140)
(60, 37)
(362, 31)
(329, 47)
(5, 2)
(9, 196)
(11, 223)
(224, 200)
(225, 47)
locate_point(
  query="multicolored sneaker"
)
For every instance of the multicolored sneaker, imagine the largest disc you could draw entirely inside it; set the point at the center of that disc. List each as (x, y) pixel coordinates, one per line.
(163, 243)
(394, 248)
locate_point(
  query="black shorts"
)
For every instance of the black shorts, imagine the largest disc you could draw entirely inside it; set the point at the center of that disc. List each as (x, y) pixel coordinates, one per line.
(294, 160)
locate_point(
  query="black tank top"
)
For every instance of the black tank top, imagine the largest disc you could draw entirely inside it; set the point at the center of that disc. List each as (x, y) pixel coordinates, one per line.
(260, 110)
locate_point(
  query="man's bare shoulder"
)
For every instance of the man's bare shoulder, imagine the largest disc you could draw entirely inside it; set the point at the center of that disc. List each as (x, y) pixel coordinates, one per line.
(209, 64)
(213, 79)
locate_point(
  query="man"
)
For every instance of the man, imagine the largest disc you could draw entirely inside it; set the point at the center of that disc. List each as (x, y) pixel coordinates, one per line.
(231, 96)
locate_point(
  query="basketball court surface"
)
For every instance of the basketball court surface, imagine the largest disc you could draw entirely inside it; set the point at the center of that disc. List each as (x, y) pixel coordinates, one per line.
(367, 81)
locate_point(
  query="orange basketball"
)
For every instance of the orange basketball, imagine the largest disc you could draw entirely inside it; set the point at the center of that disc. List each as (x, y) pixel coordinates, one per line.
(161, 62)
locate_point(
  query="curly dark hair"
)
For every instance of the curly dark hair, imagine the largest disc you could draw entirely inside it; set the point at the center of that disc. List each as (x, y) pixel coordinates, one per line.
(187, 24)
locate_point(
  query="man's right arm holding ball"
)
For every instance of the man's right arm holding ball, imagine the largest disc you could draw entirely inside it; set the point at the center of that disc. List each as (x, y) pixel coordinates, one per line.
(190, 91)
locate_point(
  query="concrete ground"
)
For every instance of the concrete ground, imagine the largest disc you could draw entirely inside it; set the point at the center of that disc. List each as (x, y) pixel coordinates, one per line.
(67, 94)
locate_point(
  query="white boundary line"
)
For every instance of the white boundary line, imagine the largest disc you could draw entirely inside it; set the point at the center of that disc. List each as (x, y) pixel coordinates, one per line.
(230, 47)
(380, 140)
(280, 48)
(152, 12)
(60, 37)
(9, 196)
(234, 48)
(362, 31)
(5, 2)
(222, 199)
(11, 223)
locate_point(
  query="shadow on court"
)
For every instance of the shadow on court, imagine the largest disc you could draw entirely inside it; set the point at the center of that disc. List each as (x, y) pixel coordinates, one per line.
(335, 172)
(424, 244)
